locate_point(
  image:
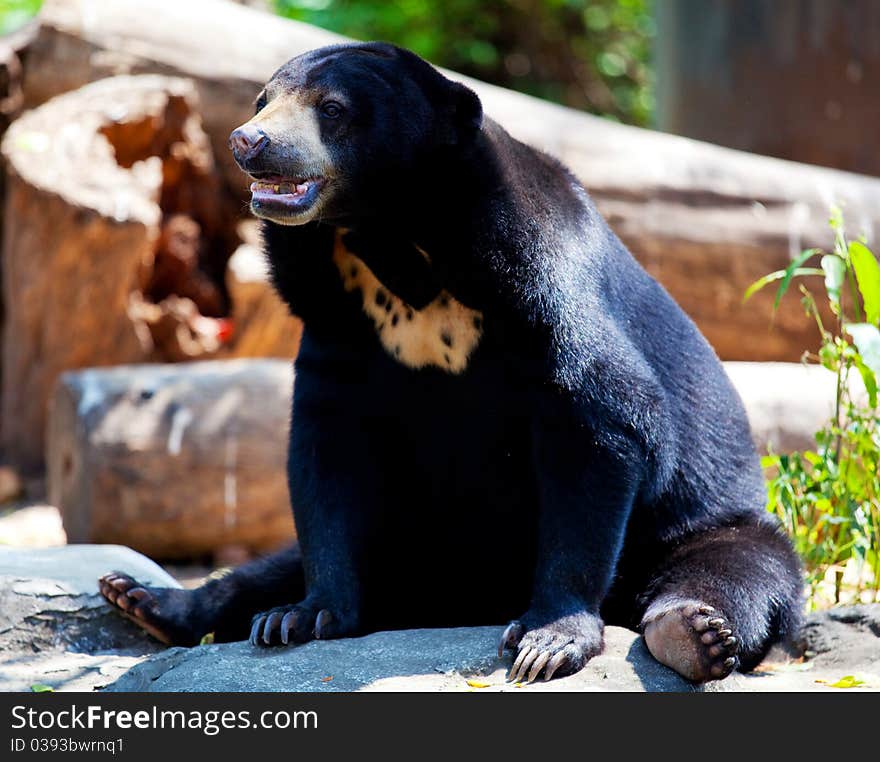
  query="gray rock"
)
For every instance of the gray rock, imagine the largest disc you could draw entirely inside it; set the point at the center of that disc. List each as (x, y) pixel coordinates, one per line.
(404, 660)
(54, 626)
(75, 568)
(845, 635)
(844, 642)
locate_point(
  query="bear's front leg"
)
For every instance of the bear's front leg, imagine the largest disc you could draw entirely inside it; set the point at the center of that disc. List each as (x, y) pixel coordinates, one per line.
(331, 540)
(335, 486)
(586, 492)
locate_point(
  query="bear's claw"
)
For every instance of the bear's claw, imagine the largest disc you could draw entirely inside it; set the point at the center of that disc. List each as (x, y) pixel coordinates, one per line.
(298, 623)
(322, 623)
(510, 638)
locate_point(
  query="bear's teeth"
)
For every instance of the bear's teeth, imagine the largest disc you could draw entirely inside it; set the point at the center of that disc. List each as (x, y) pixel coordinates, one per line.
(285, 188)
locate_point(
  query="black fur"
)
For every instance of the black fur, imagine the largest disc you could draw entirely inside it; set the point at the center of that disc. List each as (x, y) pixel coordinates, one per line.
(591, 460)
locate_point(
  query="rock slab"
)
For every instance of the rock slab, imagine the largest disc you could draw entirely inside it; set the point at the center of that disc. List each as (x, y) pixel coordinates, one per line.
(845, 642)
(55, 629)
(454, 659)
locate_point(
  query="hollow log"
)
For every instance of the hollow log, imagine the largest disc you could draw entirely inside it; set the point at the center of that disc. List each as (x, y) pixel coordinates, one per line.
(706, 221)
(177, 461)
(117, 242)
(82, 219)
(72, 255)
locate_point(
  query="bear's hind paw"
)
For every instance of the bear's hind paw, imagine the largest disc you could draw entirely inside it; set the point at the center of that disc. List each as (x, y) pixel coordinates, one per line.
(695, 640)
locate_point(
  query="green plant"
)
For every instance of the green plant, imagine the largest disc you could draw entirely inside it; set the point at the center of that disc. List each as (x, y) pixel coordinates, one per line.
(829, 499)
(588, 54)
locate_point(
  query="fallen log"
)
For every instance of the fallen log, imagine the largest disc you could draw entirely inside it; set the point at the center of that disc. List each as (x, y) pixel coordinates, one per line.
(187, 460)
(706, 221)
(786, 402)
(177, 461)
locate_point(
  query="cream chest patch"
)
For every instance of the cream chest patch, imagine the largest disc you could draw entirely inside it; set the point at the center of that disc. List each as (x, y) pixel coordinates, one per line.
(442, 334)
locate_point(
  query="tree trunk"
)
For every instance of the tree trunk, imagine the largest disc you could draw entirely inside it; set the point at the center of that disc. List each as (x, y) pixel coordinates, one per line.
(261, 321)
(797, 80)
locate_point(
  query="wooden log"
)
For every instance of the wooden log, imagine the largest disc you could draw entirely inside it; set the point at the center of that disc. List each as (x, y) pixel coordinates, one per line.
(786, 402)
(12, 49)
(82, 220)
(176, 461)
(706, 221)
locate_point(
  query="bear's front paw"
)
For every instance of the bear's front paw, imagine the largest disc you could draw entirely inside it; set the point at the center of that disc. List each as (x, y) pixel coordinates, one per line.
(298, 623)
(551, 645)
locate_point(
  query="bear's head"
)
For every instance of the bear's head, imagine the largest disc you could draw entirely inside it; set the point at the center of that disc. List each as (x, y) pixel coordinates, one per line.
(341, 132)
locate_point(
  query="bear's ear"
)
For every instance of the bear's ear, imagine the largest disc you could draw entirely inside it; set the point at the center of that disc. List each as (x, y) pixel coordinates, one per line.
(466, 112)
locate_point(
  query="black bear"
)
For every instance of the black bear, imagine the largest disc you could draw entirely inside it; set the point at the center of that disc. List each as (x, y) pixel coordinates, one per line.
(498, 415)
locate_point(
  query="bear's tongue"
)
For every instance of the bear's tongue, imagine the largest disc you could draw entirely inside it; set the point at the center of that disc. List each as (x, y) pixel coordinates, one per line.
(280, 187)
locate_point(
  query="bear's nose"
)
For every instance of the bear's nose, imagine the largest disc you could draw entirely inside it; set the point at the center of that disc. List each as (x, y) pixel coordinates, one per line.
(247, 142)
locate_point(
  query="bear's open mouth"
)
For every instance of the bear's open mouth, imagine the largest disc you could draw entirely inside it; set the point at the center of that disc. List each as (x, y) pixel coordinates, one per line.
(285, 195)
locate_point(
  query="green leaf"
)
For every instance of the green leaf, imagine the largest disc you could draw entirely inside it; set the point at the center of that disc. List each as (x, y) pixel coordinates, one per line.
(867, 339)
(778, 275)
(813, 457)
(868, 277)
(869, 378)
(835, 272)
(790, 272)
(40, 688)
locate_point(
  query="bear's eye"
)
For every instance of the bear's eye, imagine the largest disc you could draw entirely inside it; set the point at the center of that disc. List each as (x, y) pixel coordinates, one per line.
(331, 109)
